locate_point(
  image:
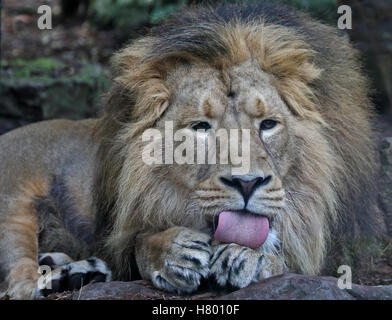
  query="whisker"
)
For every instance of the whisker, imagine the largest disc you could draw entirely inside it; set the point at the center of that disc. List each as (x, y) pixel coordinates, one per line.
(292, 201)
(273, 190)
(273, 207)
(288, 200)
(270, 199)
(300, 193)
(213, 198)
(210, 190)
(211, 205)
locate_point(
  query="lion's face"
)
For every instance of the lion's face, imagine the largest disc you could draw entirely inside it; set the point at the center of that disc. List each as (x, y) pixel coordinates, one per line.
(243, 98)
(311, 154)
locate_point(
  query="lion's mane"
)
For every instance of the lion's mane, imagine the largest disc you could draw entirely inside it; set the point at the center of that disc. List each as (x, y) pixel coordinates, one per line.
(331, 187)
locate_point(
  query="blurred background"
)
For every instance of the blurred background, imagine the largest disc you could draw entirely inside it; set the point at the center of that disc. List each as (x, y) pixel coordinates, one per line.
(62, 73)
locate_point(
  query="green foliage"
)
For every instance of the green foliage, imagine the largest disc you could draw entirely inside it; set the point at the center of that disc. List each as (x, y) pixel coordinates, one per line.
(46, 89)
(133, 13)
(324, 10)
(160, 13)
(125, 13)
(24, 68)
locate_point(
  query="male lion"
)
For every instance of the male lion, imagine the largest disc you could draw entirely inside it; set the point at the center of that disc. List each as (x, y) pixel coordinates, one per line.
(81, 189)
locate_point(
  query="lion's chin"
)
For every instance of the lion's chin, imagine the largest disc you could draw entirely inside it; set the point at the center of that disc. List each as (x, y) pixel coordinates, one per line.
(243, 228)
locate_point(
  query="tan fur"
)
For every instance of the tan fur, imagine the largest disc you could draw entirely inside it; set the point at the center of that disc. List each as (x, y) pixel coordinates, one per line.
(152, 250)
(20, 231)
(29, 158)
(320, 156)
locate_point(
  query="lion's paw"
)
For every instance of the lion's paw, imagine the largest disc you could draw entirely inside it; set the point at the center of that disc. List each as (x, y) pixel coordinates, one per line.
(235, 266)
(53, 259)
(185, 264)
(74, 275)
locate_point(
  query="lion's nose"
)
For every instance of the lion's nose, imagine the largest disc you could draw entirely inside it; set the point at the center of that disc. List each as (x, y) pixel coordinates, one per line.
(245, 185)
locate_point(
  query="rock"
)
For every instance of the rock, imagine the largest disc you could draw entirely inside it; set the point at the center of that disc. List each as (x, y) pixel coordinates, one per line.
(287, 286)
(134, 290)
(298, 287)
(115, 290)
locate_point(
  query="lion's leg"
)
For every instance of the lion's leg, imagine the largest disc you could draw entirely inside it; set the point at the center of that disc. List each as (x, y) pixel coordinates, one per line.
(19, 243)
(19, 260)
(175, 260)
(235, 266)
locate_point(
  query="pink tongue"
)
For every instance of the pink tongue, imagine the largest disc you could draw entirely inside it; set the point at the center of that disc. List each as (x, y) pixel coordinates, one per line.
(244, 229)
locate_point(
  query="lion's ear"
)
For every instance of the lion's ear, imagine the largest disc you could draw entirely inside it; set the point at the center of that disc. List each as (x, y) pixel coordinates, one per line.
(143, 80)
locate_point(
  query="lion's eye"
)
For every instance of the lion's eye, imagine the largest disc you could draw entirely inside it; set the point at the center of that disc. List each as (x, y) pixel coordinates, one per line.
(268, 124)
(201, 126)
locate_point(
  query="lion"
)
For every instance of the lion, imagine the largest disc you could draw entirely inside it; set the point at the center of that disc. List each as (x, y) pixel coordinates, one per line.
(77, 197)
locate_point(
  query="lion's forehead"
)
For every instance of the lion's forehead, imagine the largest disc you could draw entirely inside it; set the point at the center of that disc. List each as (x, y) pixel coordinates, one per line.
(215, 93)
